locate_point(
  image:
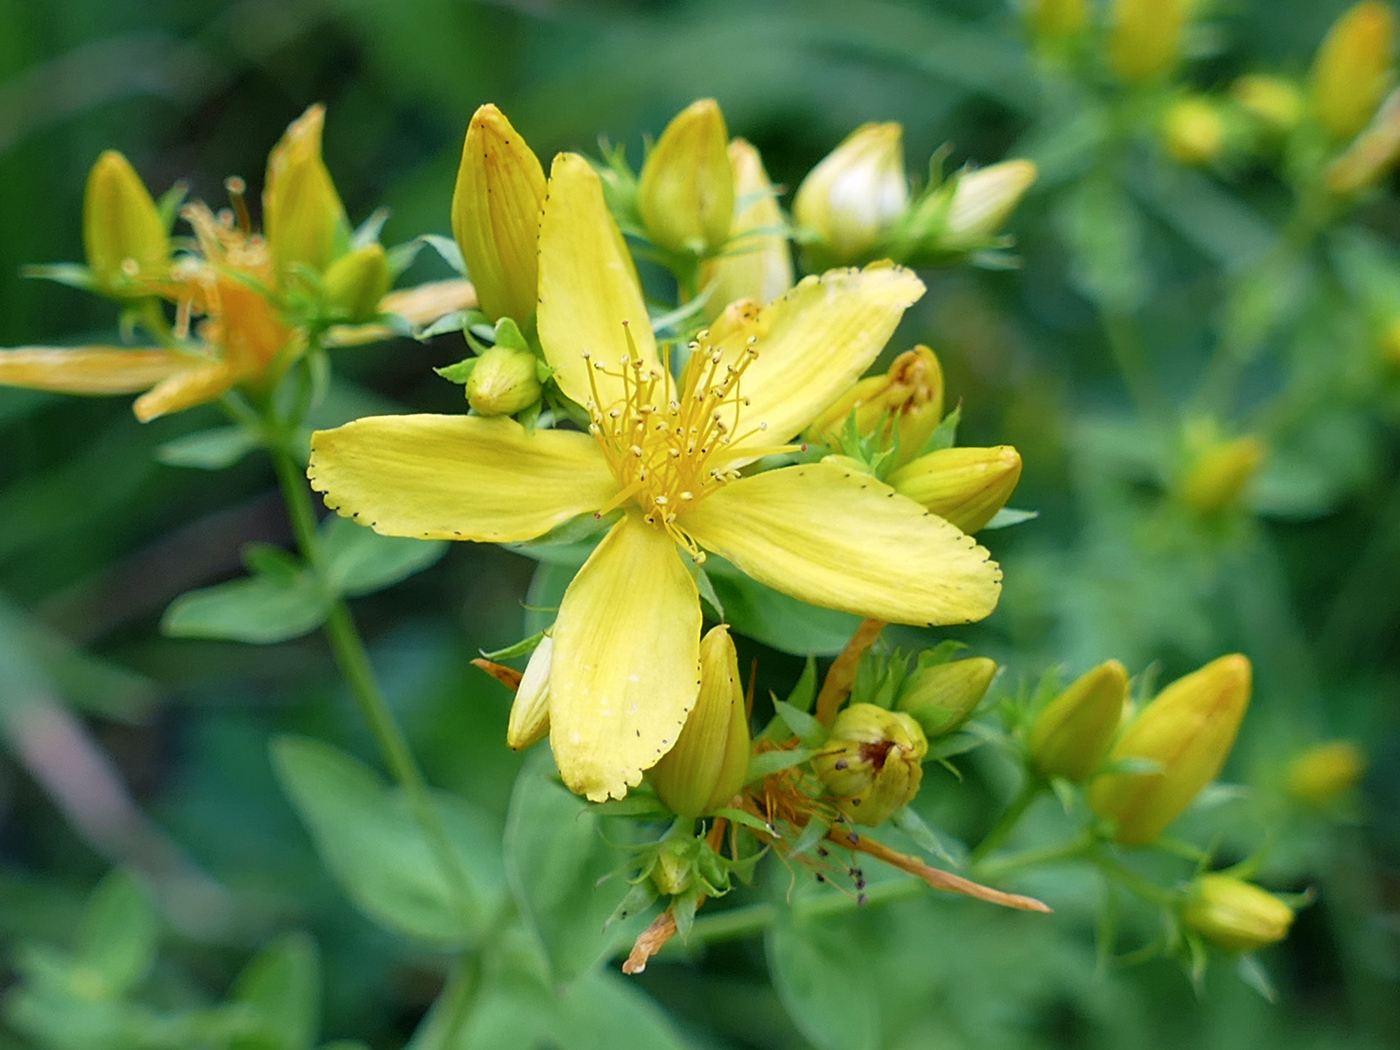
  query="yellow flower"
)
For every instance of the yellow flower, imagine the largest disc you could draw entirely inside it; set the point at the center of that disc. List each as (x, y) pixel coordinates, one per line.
(1326, 772)
(227, 291)
(625, 667)
(1145, 36)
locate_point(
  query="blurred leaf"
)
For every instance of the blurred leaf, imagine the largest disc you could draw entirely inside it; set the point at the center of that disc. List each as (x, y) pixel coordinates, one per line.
(360, 561)
(828, 998)
(768, 616)
(208, 449)
(282, 988)
(368, 838)
(118, 934)
(259, 610)
(1104, 231)
(555, 854)
(606, 1011)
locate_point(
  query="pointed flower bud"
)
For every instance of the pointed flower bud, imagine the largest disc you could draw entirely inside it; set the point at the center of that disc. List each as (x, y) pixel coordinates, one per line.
(907, 399)
(122, 230)
(757, 264)
(1273, 101)
(686, 189)
(1054, 20)
(1193, 131)
(853, 197)
(1325, 772)
(496, 211)
(529, 714)
(872, 764)
(1188, 730)
(1145, 36)
(1353, 68)
(1073, 734)
(356, 282)
(503, 381)
(1371, 155)
(1220, 474)
(303, 217)
(942, 697)
(708, 764)
(1235, 915)
(983, 200)
(964, 486)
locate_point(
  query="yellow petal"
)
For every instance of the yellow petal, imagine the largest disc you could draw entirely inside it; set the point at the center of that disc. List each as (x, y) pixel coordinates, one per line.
(89, 369)
(420, 306)
(813, 343)
(841, 539)
(626, 666)
(589, 295)
(194, 386)
(457, 477)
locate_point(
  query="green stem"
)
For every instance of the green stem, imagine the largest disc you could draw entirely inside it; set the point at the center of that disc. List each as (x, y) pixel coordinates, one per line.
(354, 663)
(756, 918)
(999, 867)
(1030, 790)
(1129, 351)
(1131, 880)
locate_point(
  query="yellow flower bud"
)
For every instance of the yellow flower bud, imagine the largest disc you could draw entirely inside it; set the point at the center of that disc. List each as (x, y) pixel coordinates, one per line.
(756, 265)
(1220, 474)
(529, 714)
(686, 190)
(1325, 772)
(1235, 915)
(1193, 131)
(1390, 343)
(496, 209)
(1371, 155)
(942, 697)
(303, 218)
(872, 764)
(907, 399)
(1273, 101)
(503, 381)
(1145, 36)
(122, 230)
(1052, 20)
(1073, 734)
(1189, 730)
(710, 760)
(964, 486)
(983, 200)
(1353, 68)
(856, 193)
(356, 282)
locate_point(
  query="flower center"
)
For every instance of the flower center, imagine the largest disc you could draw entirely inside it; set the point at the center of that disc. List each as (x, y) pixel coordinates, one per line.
(671, 443)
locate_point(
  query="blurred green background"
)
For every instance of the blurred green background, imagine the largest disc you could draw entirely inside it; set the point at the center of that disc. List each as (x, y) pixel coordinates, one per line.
(96, 536)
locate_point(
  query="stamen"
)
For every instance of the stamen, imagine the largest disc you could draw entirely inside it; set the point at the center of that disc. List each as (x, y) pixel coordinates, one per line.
(236, 187)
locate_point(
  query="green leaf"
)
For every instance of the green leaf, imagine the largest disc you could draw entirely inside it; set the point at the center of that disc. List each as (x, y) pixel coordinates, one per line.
(607, 1012)
(771, 762)
(208, 449)
(259, 610)
(776, 620)
(928, 839)
(74, 275)
(806, 728)
(524, 647)
(369, 838)
(555, 855)
(946, 434)
(118, 935)
(508, 335)
(447, 248)
(706, 587)
(828, 998)
(264, 559)
(1009, 516)
(360, 561)
(459, 372)
(282, 989)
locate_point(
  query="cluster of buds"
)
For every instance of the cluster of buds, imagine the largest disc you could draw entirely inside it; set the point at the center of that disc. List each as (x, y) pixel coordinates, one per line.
(856, 204)
(248, 304)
